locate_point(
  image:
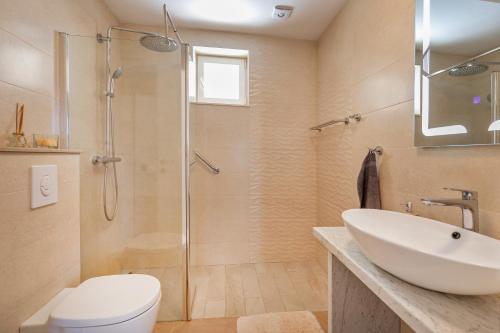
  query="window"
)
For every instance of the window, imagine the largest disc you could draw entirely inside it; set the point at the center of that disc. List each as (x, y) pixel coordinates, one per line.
(219, 76)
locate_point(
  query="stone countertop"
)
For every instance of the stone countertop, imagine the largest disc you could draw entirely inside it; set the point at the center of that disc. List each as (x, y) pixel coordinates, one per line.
(423, 310)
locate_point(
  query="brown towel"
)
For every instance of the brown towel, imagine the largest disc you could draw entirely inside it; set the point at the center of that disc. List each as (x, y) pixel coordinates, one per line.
(368, 183)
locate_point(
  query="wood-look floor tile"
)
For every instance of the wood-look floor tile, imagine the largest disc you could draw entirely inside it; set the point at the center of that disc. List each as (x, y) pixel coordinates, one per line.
(247, 289)
(268, 289)
(199, 286)
(304, 290)
(254, 305)
(235, 301)
(250, 282)
(217, 283)
(220, 325)
(215, 309)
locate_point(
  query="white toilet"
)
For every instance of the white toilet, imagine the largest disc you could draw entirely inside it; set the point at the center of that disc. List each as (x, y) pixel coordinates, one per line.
(108, 304)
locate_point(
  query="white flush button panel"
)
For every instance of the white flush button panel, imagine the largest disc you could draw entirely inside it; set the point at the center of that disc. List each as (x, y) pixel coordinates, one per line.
(43, 185)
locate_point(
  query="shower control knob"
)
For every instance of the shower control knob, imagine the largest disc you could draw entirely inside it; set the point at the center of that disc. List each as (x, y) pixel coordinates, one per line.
(105, 159)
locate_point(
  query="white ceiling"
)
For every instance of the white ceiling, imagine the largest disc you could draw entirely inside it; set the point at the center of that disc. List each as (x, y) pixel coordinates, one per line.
(309, 19)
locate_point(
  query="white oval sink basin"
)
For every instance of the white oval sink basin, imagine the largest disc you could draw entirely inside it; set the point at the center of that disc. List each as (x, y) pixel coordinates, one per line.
(423, 252)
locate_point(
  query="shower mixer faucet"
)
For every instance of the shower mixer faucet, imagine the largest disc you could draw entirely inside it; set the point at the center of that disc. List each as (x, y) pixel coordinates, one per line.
(97, 159)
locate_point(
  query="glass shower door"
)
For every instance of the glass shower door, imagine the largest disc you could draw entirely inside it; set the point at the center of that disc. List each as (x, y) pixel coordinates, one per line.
(148, 234)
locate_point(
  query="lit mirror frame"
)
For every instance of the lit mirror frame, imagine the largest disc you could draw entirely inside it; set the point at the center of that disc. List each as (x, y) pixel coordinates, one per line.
(453, 134)
(422, 72)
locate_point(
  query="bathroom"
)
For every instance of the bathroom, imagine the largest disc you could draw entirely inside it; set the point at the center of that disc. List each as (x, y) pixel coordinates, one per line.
(199, 165)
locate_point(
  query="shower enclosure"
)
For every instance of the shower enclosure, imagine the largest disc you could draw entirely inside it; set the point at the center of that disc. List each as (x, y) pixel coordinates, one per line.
(238, 241)
(126, 110)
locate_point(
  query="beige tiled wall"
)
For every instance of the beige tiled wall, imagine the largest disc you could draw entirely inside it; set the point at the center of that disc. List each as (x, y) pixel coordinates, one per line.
(261, 207)
(27, 59)
(365, 61)
(27, 75)
(39, 248)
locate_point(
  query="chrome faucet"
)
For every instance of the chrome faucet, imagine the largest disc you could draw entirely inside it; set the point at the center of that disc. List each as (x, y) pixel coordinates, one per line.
(469, 205)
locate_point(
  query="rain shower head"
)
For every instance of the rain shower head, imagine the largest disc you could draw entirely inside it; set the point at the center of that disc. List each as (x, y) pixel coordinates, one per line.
(164, 43)
(468, 69)
(159, 43)
(150, 40)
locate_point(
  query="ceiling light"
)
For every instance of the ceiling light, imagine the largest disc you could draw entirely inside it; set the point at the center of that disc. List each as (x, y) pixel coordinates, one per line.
(224, 11)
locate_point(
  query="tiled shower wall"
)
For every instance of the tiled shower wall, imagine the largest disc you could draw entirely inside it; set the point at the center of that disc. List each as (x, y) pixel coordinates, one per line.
(27, 60)
(365, 61)
(42, 246)
(27, 75)
(261, 207)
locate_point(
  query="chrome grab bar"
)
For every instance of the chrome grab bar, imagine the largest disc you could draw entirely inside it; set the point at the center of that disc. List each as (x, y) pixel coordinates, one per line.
(205, 161)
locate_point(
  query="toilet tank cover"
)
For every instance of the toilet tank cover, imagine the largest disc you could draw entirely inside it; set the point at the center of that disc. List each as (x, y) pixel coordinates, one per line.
(107, 300)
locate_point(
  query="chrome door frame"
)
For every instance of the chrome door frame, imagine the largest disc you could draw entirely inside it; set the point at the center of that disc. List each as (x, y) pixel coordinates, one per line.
(186, 218)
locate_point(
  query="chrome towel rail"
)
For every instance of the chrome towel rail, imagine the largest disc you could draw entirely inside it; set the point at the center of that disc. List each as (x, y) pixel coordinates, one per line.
(329, 123)
(345, 120)
(205, 161)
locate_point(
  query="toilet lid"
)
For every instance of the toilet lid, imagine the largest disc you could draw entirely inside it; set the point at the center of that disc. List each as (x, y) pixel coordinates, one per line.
(107, 300)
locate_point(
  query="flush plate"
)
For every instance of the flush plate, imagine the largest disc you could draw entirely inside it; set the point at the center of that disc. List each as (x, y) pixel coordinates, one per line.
(44, 185)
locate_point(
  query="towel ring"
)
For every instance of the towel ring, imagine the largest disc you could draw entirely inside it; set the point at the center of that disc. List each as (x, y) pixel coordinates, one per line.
(378, 150)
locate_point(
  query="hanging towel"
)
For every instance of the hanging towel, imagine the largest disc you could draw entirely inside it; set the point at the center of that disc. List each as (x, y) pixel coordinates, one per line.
(368, 183)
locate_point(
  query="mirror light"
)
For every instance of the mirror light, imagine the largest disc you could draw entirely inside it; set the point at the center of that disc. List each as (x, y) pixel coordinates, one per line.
(437, 131)
(417, 107)
(495, 126)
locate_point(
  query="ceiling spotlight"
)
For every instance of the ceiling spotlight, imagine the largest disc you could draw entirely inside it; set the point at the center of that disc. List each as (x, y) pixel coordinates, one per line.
(281, 12)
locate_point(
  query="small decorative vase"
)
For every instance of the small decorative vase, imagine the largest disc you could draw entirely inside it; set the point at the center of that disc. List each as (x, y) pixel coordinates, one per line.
(17, 140)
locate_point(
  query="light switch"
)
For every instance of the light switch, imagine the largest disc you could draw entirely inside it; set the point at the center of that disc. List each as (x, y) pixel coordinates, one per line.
(43, 185)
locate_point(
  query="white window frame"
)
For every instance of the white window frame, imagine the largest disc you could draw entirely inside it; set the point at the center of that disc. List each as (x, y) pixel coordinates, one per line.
(242, 61)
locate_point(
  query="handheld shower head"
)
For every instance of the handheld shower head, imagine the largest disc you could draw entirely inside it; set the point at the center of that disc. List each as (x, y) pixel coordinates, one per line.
(117, 73)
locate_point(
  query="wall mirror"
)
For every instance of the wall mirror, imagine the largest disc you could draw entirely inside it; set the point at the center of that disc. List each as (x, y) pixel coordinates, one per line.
(457, 72)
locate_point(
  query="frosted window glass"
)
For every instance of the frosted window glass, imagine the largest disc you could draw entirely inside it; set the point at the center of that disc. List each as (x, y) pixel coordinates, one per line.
(221, 81)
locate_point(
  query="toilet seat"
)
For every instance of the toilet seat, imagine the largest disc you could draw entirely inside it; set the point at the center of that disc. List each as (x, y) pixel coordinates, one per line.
(106, 300)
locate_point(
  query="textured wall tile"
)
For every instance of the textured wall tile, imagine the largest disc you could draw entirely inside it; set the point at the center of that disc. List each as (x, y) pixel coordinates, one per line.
(281, 239)
(272, 139)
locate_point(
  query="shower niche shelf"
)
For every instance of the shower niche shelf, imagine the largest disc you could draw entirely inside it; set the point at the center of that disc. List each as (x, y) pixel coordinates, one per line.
(38, 150)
